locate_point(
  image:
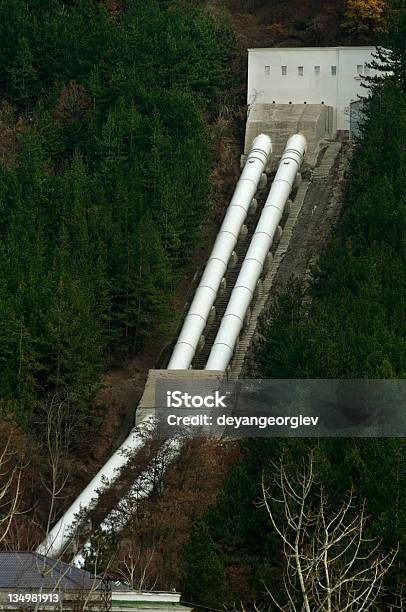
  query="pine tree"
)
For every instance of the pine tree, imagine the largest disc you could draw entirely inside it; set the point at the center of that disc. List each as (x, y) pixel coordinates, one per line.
(204, 571)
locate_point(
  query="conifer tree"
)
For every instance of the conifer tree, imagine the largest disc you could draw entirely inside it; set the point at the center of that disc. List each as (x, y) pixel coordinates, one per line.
(204, 578)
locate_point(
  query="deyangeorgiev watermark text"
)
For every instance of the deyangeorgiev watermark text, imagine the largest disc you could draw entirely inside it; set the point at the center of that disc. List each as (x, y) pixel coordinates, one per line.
(194, 404)
(237, 422)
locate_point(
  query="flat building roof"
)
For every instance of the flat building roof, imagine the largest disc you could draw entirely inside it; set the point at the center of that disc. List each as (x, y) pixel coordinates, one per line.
(253, 49)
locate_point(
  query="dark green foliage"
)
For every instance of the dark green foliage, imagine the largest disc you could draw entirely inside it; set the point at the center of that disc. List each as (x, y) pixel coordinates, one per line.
(205, 571)
(355, 326)
(103, 203)
(300, 25)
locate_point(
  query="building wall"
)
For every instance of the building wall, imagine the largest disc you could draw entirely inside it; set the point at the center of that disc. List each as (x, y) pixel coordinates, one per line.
(303, 82)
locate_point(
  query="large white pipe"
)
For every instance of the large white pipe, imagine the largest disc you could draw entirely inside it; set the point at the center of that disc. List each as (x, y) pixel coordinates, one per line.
(117, 519)
(241, 296)
(206, 293)
(62, 533)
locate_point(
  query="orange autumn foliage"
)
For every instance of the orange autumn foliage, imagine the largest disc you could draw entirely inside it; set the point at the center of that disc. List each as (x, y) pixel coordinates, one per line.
(365, 15)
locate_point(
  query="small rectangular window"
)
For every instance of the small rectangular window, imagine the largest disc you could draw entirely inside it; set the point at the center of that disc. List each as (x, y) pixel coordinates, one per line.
(300, 70)
(360, 69)
(267, 70)
(333, 70)
(317, 70)
(284, 70)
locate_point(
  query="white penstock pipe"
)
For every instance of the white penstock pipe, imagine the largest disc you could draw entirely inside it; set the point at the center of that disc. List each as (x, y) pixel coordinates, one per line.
(60, 536)
(116, 520)
(251, 269)
(206, 293)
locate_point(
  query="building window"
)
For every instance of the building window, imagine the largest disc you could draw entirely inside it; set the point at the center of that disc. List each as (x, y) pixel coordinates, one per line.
(300, 70)
(284, 70)
(360, 69)
(317, 70)
(333, 70)
(267, 70)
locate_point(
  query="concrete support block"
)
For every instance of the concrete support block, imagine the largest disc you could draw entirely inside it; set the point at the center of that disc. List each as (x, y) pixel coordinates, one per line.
(297, 182)
(258, 290)
(223, 286)
(211, 315)
(247, 316)
(233, 260)
(314, 121)
(277, 236)
(253, 206)
(263, 181)
(201, 342)
(268, 263)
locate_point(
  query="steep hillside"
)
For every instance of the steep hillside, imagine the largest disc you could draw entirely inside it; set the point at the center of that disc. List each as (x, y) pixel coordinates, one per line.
(261, 23)
(109, 138)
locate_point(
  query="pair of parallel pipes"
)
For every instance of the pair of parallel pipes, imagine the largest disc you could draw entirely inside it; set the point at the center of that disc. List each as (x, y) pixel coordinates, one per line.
(62, 533)
(60, 536)
(251, 269)
(253, 264)
(206, 293)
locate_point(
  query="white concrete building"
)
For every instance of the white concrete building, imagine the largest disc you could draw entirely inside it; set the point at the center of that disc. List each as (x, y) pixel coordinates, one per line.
(309, 75)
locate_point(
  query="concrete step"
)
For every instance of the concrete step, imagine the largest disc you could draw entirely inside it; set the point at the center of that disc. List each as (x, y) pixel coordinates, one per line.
(323, 169)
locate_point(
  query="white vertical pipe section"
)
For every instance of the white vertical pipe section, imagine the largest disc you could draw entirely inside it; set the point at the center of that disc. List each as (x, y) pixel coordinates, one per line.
(206, 293)
(63, 532)
(241, 296)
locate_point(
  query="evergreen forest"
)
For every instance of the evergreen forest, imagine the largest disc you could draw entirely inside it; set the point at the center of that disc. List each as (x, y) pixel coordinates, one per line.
(105, 158)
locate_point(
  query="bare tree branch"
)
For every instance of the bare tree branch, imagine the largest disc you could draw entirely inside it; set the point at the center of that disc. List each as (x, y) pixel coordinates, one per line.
(329, 565)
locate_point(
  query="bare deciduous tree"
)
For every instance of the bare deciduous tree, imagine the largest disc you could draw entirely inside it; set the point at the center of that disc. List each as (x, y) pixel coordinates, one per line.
(10, 489)
(330, 565)
(136, 566)
(59, 420)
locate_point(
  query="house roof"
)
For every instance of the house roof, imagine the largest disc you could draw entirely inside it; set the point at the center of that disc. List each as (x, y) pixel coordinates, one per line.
(30, 570)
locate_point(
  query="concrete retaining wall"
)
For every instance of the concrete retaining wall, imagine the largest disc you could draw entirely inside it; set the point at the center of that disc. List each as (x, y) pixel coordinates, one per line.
(280, 121)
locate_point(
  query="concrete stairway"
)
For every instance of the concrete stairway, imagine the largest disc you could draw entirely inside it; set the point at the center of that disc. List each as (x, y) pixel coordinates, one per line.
(322, 171)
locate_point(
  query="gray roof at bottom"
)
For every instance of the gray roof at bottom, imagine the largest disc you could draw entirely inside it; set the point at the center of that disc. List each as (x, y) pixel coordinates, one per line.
(30, 570)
